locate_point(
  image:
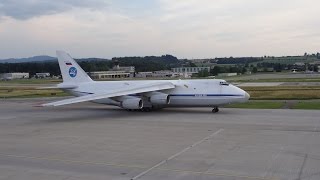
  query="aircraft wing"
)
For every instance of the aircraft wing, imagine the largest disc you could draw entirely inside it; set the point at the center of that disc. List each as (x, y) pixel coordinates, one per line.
(135, 90)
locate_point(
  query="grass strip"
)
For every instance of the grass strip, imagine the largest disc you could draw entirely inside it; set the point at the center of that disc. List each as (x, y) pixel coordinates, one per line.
(279, 80)
(32, 81)
(306, 105)
(283, 92)
(30, 93)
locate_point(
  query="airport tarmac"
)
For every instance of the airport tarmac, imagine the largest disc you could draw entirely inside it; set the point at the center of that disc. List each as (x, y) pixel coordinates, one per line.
(279, 76)
(90, 141)
(263, 84)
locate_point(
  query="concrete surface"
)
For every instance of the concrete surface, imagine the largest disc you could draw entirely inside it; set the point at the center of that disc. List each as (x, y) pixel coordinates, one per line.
(274, 76)
(89, 141)
(253, 84)
(259, 84)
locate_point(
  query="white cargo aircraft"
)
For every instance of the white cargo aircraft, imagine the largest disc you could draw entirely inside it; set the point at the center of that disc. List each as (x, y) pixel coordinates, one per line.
(144, 95)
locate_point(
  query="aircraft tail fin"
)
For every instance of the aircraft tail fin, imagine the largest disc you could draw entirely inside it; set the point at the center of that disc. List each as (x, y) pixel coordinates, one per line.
(71, 72)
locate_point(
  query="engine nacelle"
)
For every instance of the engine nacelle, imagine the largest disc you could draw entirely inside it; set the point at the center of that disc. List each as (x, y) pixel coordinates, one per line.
(134, 103)
(160, 99)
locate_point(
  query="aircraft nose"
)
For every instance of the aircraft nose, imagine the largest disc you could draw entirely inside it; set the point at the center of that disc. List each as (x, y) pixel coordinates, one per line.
(247, 96)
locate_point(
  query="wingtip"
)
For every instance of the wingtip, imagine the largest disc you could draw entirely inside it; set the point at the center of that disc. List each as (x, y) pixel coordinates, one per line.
(43, 105)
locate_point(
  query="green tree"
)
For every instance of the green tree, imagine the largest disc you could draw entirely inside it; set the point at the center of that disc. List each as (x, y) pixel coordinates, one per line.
(244, 70)
(191, 64)
(277, 67)
(254, 70)
(203, 73)
(215, 71)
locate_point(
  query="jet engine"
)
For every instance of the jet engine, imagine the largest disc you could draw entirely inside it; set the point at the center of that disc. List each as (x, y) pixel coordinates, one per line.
(134, 103)
(160, 98)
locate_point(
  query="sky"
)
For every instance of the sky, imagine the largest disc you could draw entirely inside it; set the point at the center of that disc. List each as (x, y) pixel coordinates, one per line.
(183, 28)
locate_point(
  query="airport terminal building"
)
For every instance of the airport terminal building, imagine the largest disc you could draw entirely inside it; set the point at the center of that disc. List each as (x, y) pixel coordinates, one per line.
(190, 70)
(109, 74)
(116, 72)
(16, 75)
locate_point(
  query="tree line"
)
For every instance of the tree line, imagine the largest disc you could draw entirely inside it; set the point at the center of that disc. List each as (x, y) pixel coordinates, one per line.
(155, 63)
(148, 63)
(237, 60)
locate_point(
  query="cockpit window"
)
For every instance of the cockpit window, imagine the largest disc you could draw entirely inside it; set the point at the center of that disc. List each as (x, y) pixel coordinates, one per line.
(223, 83)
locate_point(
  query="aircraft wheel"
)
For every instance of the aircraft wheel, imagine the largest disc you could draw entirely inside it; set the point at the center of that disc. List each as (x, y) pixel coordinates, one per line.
(215, 110)
(146, 109)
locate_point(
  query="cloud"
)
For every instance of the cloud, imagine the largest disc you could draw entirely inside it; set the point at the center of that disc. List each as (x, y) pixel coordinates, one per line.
(185, 28)
(26, 9)
(243, 27)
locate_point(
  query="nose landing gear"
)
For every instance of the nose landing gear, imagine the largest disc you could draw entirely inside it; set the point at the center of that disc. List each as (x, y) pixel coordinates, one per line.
(215, 109)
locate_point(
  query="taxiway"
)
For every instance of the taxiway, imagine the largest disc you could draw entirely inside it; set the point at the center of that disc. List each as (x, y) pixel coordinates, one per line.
(89, 141)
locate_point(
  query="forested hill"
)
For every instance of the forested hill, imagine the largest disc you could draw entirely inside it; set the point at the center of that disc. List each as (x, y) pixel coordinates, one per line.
(148, 63)
(29, 59)
(239, 60)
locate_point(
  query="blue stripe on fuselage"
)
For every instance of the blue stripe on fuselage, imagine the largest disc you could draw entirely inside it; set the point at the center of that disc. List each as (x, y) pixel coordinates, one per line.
(199, 95)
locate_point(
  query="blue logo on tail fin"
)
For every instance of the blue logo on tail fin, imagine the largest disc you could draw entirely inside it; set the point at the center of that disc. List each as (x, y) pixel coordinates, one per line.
(73, 72)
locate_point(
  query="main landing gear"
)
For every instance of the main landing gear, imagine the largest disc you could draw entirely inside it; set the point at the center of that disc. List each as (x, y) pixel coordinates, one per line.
(215, 109)
(145, 109)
